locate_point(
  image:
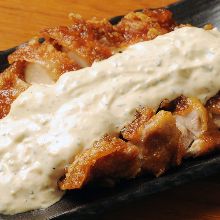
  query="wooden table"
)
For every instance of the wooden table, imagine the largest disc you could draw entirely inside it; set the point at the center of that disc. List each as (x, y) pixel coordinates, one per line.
(20, 20)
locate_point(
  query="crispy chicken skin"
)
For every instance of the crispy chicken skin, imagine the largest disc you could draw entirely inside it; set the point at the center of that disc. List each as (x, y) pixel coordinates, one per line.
(158, 139)
(11, 85)
(150, 145)
(154, 141)
(110, 158)
(162, 140)
(79, 41)
(89, 41)
(213, 106)
(12, 80)
(46, 55)
(144, 25)
(199, 132)
(133, 130)
(68, 48)
(197, 126)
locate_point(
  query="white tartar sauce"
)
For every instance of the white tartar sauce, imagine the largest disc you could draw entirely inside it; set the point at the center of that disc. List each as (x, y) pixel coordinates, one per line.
(49, 124)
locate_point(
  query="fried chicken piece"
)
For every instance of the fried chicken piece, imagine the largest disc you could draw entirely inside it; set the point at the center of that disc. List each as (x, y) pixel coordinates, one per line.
(146, 25)
(31, 63)
(158, 142)
(199, 133)
(132, 131)
(191, 113)
(92, 40)
(110, 158)
(51, 61)
(11, 85)
(158, 137)
(81, 40)
(150, 145)
(213, 106)
(206, 143)
(79, 45)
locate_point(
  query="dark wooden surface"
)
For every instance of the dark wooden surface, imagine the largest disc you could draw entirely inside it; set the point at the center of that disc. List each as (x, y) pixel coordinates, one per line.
(21, 19)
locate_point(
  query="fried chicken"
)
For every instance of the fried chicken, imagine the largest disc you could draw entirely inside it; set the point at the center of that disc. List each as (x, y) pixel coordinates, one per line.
(69, 48)
(31, 63)
(161, 140)
(54, 62)
(146, 25)
(11, 85)
(199, 133)
(158, 139)
(154, 141)
(89, 41)
(213, 106)
(79, 41)
(150, 145)
(110, 159)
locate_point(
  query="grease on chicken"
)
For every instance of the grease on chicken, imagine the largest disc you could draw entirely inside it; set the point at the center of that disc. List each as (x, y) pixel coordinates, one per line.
(213, 106)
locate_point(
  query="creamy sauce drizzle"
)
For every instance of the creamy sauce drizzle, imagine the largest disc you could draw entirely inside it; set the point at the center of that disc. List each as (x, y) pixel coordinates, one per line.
(49, 124)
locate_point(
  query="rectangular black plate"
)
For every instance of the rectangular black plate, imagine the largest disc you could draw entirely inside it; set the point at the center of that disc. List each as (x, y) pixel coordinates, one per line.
(89, 202)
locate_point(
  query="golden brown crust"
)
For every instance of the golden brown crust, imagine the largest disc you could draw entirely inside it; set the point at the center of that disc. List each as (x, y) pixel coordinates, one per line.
(94, 40)
(68, 48)
(186, 106)
(152, 143)
(110, 158)
(11, 85)
(161, 141)
(151, 146)
(146, 25)
(133, 130)
(161, 148)
(213, 104)
(206, 143)
(202, 132)
(83, 38)
(158, 137)
(45, 54)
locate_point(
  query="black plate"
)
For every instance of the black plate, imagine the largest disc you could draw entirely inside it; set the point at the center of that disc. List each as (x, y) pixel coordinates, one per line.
(90, 202)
